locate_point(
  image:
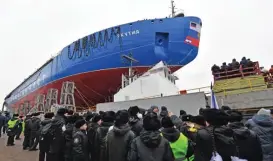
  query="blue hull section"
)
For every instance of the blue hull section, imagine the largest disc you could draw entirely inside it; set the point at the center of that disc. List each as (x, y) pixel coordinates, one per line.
(149, 41)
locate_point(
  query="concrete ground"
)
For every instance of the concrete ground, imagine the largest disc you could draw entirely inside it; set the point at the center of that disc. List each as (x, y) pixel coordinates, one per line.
(16, 153)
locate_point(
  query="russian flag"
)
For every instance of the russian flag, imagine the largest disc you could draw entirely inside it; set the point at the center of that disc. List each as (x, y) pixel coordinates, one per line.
(213, 101)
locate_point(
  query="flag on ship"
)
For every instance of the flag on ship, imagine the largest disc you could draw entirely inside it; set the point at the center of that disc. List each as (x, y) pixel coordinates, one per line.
(213, 101)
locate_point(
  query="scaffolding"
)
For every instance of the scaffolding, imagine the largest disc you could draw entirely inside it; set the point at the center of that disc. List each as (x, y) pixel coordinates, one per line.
(67, 95)
(51, 99)
(39, 103)
(27, 107)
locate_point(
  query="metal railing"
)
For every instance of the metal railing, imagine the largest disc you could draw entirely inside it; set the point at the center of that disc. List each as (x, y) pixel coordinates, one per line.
(240, 72)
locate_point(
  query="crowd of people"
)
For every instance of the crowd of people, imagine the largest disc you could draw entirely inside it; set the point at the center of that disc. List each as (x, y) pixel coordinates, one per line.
(231, 69)
(146, 135)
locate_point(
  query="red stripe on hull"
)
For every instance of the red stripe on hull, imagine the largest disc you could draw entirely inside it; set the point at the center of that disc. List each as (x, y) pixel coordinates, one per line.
(94, 87)
(192, 41)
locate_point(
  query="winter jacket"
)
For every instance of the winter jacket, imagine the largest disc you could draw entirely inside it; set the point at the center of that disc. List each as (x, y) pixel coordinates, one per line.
(172, 135)
(121, 136)
(80, 146)
(35, 126)
(27, 128)
(68, 135)
(224, 143)
(2, 120)
(136, 125)
(262, 125)
(44, 143)
(57, 144)
(150, 146)
(245, 138)
(100, 141)
(91, 134)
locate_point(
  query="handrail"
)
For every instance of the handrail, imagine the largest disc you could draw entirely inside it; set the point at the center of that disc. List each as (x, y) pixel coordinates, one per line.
(241, 72)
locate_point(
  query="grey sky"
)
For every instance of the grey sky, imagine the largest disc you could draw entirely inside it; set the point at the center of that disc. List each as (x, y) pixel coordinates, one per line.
(32, 31)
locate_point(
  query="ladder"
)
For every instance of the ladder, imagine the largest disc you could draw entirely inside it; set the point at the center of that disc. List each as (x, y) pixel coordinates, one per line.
(39, 103)
(51, 98)
(67, 95)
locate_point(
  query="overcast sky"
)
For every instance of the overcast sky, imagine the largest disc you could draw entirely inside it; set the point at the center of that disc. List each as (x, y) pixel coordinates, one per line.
(31, 31)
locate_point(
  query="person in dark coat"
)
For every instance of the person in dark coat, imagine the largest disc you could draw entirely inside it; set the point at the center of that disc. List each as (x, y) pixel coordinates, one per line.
(46, 138)
(182, 113)
(215, 138)
(108, 119)
(164, 112)
(68, 135)
(135, 120)
(7, 116)
(2, 123)
(35, 135)
(91, 133)
(20, 128)
(150, 145)
(262, 125)
(176, 137)
(27, 132)
(56, 151)
(245, 138)
(122, 136)
(80, 142)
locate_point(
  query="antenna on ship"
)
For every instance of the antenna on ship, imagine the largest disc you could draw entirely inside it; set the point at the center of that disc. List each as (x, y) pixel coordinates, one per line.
(130, 79)
(173, 8)
(174, 14)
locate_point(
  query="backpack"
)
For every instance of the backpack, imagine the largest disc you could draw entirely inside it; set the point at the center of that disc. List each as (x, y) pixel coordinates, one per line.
(46, 131)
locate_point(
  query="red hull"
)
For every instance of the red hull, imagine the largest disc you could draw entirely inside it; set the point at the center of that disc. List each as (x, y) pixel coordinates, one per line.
(91, 88)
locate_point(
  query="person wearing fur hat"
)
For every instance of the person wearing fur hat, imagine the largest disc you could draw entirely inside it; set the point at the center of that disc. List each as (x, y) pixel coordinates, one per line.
(244, 138)
(135, 120)
(35, 127)
(45, 136)
(12, 128)
(164, 112)
(20, 128)
(68, 135)
(80, 142)
(27, 131)
(150, 145)
(108, 119)
(182, 147)
(216, 138)
(91, 133)
(121, 135)
(56, 151)
(262, 125)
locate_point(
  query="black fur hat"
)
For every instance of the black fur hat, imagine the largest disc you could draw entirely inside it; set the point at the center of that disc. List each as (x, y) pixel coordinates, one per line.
(166, 122)
(235, 116)
(133, 110)
(62, 111)
(151, 122)
(215, 117)
(200, 120)
(80, 123)
(96, 118)
(15, 115)
(49, 115)
(122, 117)
(108, 116)
(36, 114)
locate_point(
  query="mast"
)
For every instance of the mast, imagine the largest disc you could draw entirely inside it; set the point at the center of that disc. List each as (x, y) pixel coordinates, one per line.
(173, 8)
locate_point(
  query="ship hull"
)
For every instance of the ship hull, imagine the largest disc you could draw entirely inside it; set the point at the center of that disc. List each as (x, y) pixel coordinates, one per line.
(95, 63)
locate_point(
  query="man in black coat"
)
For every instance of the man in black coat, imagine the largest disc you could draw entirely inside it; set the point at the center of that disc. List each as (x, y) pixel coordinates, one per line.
(108, 119)
(35, 129)
(245, 138)
(56, 151)
(91, 133)
(215, 138)
(45, 137)
(20, 128)
(27, 132)
(135, 120)
(2, 122)
(80, 142)
(150, 145)
(122, 136)
(68, 135)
